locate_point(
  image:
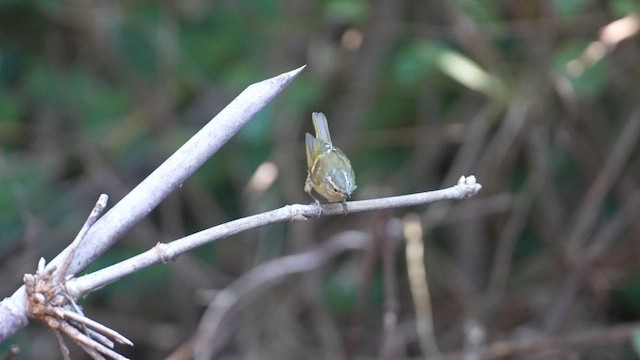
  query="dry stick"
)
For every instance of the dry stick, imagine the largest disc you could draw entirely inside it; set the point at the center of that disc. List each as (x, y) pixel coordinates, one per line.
(152, 190)
(391, 302)
(603, 240)
(101, 204)
(593, 338)
(382, 35)
(63, 346)
(98, 327)
(471, 145)
(354, 333)
(249, 286)
(417, 275)
(91, 346)
(517, 219)
(162, 252)
(590, 208)
(498, 146)
(147, 231)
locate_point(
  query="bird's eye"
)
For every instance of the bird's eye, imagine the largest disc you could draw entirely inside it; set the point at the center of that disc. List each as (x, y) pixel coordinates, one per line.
(333, 187)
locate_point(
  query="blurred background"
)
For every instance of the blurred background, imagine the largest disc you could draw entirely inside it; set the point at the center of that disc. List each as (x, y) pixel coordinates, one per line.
(538, 99)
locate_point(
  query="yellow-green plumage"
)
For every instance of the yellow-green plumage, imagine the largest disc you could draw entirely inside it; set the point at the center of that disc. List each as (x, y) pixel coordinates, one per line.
(329, 170)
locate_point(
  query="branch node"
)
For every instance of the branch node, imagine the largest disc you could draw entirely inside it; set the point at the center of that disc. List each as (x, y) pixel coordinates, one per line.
(49, 302)
(297, 213)
(161, 249)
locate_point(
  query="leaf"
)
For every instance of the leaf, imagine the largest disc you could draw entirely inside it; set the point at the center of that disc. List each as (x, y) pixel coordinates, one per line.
(468, 73)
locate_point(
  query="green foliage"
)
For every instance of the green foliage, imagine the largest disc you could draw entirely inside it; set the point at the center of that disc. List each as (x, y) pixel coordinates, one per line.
(570, 8)
(96, 101)
(482, 11)
(623, 7)
(23, 179)
(347, 11)
(341, 289)
(11, 113)
(417, 61)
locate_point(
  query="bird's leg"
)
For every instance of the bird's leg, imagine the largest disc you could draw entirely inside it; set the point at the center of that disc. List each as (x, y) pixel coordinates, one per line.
(309, 190)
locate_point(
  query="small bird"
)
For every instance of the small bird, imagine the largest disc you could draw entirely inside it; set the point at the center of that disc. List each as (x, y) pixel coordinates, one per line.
(329, 170)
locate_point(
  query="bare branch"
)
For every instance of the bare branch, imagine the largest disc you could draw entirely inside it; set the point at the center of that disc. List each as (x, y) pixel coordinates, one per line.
(589, 210)
(161, 253)
(603, 240)
(251, 285)
(534, 345)
(417, 274)
(97, 326)
(91, 346)
(151, 191)
(99, 207)
(176, 169)
(386, 346)
(49, 302)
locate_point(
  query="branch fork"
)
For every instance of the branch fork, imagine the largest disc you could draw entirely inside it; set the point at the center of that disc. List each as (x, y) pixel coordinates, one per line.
(49, 302)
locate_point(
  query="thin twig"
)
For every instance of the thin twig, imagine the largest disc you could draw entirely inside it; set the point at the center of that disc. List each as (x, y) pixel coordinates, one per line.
(354, 333)
(586, 220)
(589, 210)
(602, 241)
(251, 285)
(88, 344)
(97, 210)
(63, 346)
(162, 252)
(593, 338)
(518, 216)
(419, 286)
(391, 302)
(97, 326)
